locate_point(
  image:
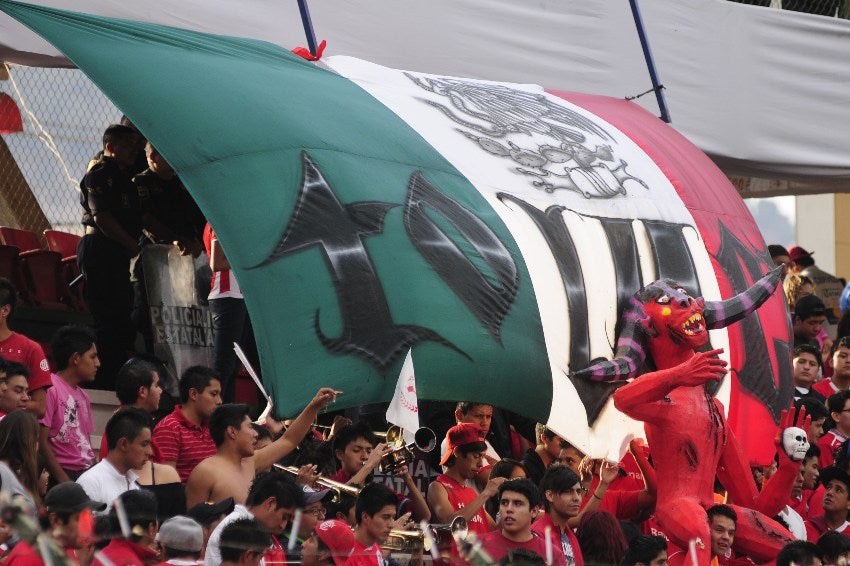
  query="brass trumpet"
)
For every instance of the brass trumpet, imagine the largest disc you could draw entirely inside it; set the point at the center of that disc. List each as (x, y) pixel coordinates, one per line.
(424, 440)
(413, 540)
(407, 541)
(458, 529)
(338, 488)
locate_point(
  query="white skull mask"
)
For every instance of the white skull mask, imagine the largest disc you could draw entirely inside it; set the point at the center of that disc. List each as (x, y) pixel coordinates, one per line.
(795, 443)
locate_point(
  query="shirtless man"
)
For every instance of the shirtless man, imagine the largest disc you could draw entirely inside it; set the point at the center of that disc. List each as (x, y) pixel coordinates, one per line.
(231, 470)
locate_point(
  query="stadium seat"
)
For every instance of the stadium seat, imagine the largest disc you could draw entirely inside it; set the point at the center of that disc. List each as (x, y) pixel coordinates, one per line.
(9, 264)
(63, 242)
(24, 240)
(41, 278)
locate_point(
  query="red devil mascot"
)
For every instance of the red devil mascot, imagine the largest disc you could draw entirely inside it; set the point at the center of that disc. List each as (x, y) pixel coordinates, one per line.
(685, 425)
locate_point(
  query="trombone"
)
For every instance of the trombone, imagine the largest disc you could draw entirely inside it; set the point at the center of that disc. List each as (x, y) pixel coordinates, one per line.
(338, 488)
(400, 455)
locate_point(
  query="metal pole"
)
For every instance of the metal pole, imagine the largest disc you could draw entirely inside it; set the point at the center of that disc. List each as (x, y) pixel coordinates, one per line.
(650, 63)
(308, 26)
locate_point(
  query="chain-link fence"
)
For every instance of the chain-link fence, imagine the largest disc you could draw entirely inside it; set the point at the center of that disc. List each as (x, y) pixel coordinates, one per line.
(832, 8)
(64, 116)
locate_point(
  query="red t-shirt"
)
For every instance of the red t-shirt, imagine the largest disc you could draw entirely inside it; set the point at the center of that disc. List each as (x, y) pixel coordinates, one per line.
(497, 546)
(565, 539)
(804, 506)
(460, 496)
(126, 553)
(182, 441)
(363, 555)
(828, 444)
(19, 348)
(341, 476)
(24, 555)
(624, 505)
(825, 388)
(815, 527)
(816, 501)
(275, 554)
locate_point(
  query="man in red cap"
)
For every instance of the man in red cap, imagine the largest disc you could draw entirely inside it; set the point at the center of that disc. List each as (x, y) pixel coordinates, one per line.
(449, 495)
(330, 544)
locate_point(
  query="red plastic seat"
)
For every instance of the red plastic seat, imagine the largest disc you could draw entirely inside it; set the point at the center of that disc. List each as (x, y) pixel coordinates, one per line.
(43, 278)
(63, 242)
(24, 240)
(9, 264)
(41, 275)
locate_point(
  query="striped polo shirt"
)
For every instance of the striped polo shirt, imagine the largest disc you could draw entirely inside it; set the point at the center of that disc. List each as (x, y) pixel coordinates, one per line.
(180, 440)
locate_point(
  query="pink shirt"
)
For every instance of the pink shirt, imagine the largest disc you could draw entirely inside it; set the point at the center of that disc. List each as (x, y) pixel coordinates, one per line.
(68, 419)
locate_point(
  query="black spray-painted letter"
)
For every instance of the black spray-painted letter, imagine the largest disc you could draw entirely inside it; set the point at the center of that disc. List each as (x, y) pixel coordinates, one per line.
(489, 302)
(321, 220)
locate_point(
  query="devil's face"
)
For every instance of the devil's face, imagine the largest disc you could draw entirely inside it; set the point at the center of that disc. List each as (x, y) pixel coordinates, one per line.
(675, 316)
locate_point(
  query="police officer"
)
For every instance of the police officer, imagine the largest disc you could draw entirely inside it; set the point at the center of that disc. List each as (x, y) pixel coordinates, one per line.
(113, 223)
(169, 215)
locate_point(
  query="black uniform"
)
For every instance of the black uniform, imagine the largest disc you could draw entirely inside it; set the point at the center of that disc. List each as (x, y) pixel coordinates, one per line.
(105, 263)
(170, 203)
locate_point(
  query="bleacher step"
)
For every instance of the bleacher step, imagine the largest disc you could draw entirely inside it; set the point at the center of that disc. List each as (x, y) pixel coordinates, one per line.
(103, 404)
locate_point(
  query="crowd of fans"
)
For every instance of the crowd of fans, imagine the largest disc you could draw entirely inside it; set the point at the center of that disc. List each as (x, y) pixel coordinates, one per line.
(206, 485)
(203, 484)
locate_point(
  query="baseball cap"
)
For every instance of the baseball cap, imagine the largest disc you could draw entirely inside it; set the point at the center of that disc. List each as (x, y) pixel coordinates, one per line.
(338, 537)
(809, 305)
(181, 533)
(461, 435)
(70, 497)
(796, 253)
(312, 496)
(207, 513)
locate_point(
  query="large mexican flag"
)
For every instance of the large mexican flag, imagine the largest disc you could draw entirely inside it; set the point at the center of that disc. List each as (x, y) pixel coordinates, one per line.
(496, 229)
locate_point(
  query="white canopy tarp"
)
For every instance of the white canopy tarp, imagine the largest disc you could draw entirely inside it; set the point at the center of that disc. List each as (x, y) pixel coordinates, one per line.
(762, 91)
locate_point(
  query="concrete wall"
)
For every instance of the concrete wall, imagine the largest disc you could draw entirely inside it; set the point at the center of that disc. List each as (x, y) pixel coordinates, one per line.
(815, 230)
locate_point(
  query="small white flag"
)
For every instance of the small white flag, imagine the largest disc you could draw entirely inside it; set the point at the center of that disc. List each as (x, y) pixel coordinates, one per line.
(404, 408)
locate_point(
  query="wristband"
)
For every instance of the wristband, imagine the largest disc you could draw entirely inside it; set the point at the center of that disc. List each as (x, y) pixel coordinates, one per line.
(596, 496)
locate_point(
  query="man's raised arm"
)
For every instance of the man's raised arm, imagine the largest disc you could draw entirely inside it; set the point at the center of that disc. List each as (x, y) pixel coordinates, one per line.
(265, 457)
